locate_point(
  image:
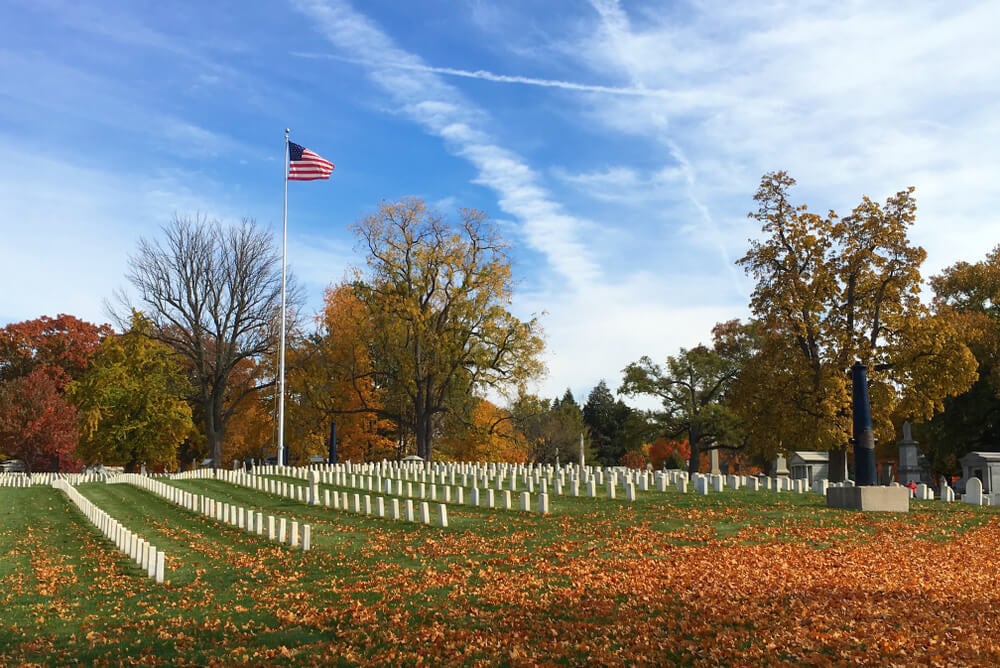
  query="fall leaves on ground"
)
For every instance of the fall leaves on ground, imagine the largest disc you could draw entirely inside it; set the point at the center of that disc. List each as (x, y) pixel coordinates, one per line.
(671, 580)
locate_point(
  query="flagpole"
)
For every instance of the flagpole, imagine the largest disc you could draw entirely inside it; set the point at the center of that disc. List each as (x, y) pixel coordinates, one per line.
(281, 353)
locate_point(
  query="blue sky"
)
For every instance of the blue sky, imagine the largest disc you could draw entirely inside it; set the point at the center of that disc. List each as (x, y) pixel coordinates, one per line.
(618, 144)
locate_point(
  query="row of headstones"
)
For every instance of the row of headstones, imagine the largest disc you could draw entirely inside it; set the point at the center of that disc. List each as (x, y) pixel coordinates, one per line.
(703, 483)
(421, 472)
(973, 495)
(356, 503)
(360, 476)
(233, 515)
(422, 490)
(465, 474)
(546, 478)
(632, 482)
(137, 548)
(310, 494)
(19, 479)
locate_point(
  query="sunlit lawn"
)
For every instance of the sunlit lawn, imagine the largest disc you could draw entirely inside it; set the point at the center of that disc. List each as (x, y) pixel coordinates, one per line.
(733, 578)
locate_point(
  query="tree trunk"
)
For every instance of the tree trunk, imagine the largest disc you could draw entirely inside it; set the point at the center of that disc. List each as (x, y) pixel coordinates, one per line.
(423, 434)
(694, 438)
(214, 429)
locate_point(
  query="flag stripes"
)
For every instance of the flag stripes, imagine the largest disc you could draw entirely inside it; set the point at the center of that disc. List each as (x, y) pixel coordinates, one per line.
(304, 165)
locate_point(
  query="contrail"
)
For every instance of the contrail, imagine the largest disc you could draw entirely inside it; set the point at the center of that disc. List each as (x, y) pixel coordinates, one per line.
(484, 75)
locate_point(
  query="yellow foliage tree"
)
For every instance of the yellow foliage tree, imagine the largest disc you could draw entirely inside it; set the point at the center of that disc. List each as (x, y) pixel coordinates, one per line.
(132, 402)
(831, 291)
(436, 297)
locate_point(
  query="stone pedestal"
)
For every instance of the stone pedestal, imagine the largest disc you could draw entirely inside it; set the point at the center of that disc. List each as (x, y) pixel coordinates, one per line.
(869, 499)
(909, 469)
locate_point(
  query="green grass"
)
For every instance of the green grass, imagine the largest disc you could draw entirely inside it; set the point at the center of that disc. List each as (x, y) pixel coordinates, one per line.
(369, 583)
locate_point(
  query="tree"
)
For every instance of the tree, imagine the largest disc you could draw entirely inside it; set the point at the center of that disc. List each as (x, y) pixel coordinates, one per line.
(436, 295)
(490, 436)
(132, 402)
(663, 453)
(832, 291)
(251, 432)
(38, 358)
(331, 378)
(37, 425)
(693, 389)
(212, 293)
(968, 294)
(606, 418)
(64, 342)
(552, 430)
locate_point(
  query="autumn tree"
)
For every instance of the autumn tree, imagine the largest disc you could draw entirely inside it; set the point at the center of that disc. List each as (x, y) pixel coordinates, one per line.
(968, 294)
(64, 342)
(488, 436)
(692, 388)
(436, 296)
(212, 293)
(331, 378)
(831, 291)
(665, 453)
(37, 425)
(251, 431)
(38, 358)
(132, 401)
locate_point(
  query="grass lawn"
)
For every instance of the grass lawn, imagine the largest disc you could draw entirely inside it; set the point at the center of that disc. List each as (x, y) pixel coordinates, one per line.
(734, 578)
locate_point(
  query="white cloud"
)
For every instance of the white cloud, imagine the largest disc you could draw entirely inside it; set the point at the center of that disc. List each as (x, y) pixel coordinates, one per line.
(851, 99)
(443, 111)
(66, 249)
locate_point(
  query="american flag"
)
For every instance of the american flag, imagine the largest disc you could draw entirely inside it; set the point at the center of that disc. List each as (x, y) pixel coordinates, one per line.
(304, 165)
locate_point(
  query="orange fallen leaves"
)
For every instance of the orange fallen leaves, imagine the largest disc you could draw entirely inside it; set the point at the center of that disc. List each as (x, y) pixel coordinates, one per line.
(613, 589)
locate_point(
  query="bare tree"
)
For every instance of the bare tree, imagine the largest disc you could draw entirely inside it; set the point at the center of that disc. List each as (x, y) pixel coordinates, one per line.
(212, 293)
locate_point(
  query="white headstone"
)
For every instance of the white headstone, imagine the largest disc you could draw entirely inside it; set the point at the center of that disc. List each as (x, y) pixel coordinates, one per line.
(973, 492)
(701, 485)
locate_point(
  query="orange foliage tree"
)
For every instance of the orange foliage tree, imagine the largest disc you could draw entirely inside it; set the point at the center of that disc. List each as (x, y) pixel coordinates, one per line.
(38, 359)
(634, 459)
(672, 453)
(251, 427)
(490, 436)
(64, 342)
(329, 379)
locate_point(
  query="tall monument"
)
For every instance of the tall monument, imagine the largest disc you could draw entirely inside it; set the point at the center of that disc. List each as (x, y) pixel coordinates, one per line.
(909, 458)
(864, 435)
